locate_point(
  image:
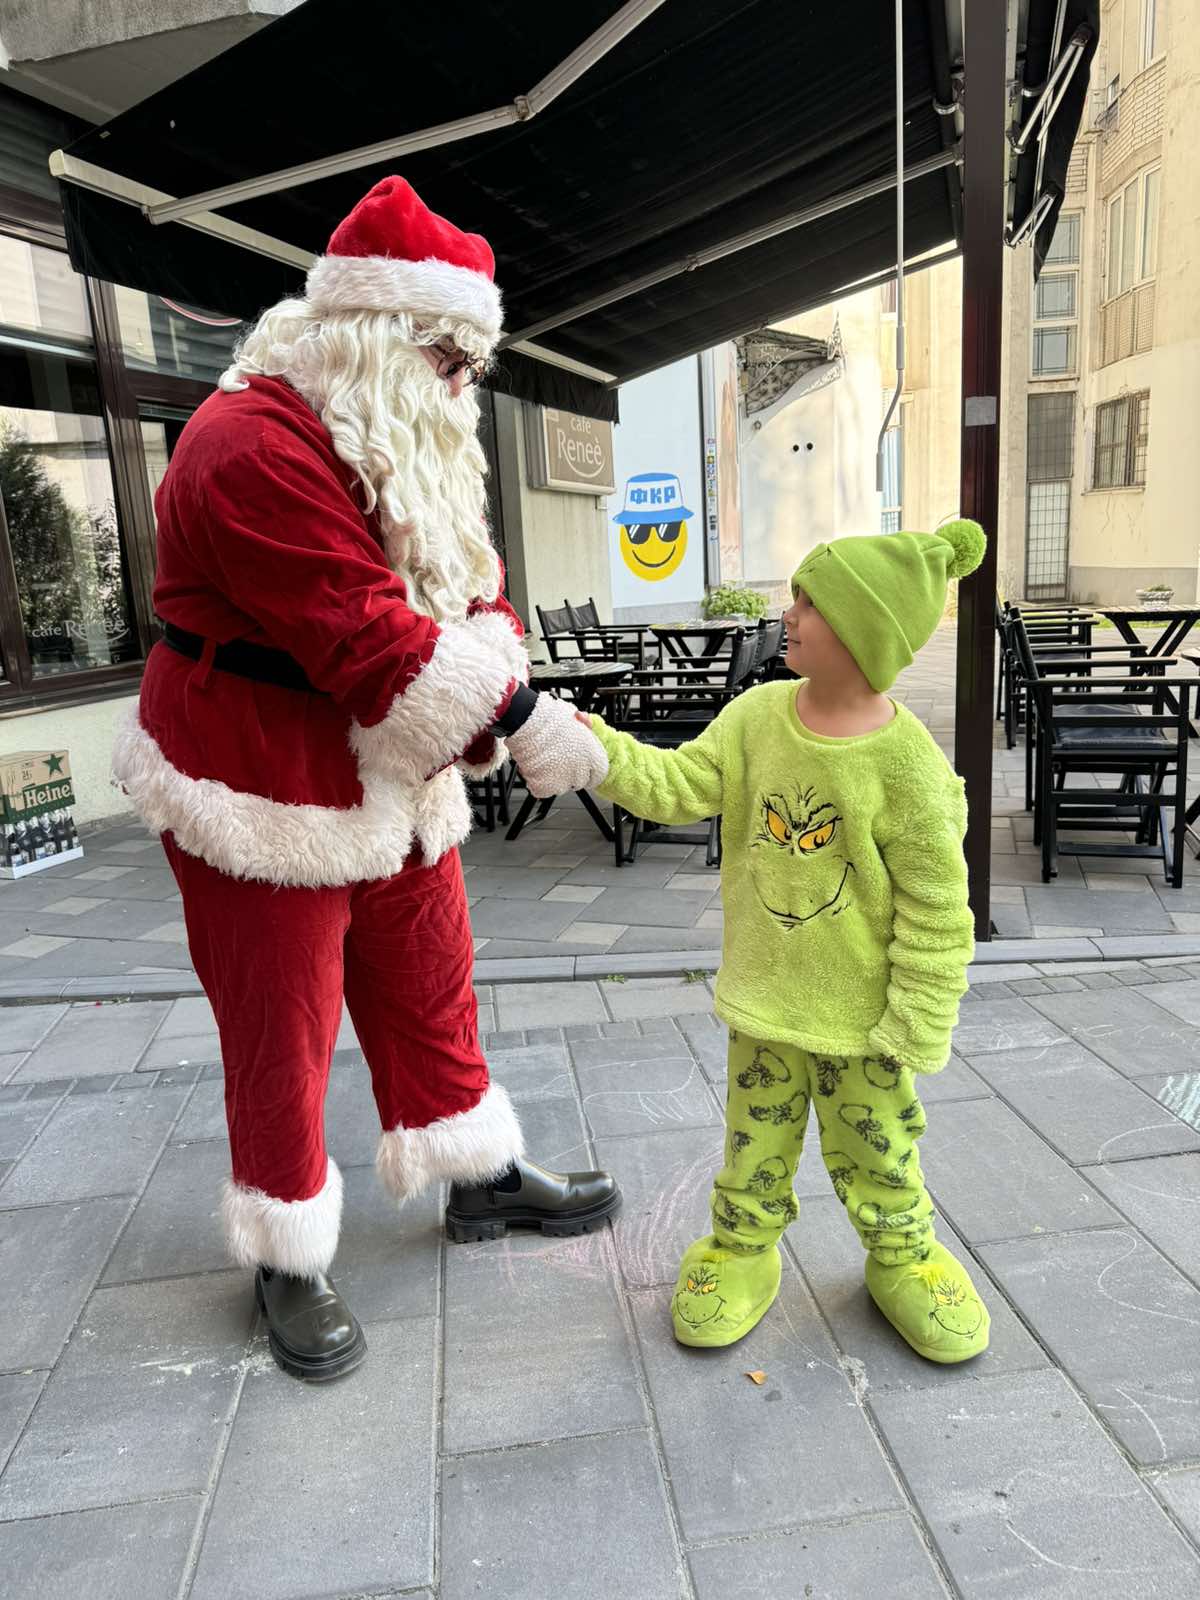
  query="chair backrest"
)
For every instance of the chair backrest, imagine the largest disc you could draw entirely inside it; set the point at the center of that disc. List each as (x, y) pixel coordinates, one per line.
(744, 658)
(769, 640)
(585, 616)
(556, 629)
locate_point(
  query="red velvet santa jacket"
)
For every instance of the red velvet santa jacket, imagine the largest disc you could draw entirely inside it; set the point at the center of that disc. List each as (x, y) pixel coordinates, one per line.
(261, 537)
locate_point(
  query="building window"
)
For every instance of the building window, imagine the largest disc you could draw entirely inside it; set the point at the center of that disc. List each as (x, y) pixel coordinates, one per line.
(1049, 458)
(160, 335)
(887, 297)
(73, 602)
(1056, 303)
(1151, 28)
(889, 521)
(1122, 442)
(1132, 234)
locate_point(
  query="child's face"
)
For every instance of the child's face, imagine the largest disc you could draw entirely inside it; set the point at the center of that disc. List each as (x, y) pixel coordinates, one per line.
(814, 650)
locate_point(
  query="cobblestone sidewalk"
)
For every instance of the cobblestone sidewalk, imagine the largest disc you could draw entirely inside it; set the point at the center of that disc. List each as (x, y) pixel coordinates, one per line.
(525, 1425)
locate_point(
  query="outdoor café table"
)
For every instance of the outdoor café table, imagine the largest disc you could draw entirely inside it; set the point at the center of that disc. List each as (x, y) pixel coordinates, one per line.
(1180, 620)
(608, 631)
(581, 680)
(679, 637)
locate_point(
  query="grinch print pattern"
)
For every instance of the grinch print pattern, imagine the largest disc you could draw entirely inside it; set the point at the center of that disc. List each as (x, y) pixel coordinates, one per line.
(793, 1110)
(829, 1075)
(764, 1072)
(863, 1121)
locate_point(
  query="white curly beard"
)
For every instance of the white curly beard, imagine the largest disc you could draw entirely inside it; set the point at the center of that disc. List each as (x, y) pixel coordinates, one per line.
(413, 444)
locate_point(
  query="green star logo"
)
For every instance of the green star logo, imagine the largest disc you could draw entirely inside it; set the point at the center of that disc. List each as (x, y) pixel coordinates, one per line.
(53, 765)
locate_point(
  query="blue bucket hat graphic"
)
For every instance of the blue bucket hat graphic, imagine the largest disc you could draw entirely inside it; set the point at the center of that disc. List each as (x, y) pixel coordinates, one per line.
(653, 497)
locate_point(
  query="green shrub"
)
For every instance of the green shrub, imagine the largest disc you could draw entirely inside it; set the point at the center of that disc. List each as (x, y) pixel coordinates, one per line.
(730, 601)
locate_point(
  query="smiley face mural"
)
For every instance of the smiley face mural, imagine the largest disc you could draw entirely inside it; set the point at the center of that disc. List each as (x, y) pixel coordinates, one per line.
(653, 524)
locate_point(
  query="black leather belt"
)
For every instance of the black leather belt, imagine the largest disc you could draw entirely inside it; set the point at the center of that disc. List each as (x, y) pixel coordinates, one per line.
(255, 661)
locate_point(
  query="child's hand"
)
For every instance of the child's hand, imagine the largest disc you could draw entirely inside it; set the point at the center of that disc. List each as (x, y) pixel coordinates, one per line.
(581, 716)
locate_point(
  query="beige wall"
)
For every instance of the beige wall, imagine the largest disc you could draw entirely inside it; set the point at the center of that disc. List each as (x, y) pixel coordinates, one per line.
(930, 399)
(557, 543)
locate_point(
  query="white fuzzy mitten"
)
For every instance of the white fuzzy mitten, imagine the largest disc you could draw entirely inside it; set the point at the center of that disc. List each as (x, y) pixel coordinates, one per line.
(555, 752)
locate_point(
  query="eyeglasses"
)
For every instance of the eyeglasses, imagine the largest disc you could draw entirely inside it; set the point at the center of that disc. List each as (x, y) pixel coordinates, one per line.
(452, 363)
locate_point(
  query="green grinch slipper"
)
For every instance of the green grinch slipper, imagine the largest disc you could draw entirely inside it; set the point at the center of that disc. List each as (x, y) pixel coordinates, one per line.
(932, 1305)
(722, 1293)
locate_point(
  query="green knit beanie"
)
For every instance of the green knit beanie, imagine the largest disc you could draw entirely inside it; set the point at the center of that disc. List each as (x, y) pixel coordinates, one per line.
(884, 595)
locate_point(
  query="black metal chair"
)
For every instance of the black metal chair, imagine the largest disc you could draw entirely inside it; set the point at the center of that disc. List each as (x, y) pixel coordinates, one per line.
(1127, 722)
(557, 629)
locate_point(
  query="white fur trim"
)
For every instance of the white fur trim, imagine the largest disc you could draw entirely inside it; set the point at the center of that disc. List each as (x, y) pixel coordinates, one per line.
(453, 697)
(469, 1147)
(249, 836)
(429, 288)
(294, 1236)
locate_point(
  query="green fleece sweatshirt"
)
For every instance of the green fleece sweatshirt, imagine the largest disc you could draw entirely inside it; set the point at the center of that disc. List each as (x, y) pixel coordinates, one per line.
(847, 929)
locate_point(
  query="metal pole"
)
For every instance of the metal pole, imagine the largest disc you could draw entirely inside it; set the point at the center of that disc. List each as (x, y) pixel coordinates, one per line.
(895, 401)
(983, 302)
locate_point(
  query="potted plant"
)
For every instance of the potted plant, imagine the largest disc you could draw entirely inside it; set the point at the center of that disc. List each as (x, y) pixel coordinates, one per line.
(1157, 595)
(730, 602)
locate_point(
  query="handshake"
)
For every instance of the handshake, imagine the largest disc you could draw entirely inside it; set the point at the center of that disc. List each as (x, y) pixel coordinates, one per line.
(556, 750)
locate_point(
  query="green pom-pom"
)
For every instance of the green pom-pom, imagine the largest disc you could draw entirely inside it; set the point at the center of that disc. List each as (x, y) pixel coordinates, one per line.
(968, 541)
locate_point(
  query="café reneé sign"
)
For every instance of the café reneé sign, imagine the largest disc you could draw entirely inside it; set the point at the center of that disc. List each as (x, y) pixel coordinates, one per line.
(569, 452)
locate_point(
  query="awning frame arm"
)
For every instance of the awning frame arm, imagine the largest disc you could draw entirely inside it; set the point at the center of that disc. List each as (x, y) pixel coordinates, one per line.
(522, 109)
(744, 241)
(114, 186)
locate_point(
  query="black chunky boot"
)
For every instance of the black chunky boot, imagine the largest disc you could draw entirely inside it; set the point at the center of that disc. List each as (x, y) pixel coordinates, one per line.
(527, 1196)
(312, 1332)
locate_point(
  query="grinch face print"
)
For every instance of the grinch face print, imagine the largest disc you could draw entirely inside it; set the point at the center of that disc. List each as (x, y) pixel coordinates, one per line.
(698, 1302)
(797, 859)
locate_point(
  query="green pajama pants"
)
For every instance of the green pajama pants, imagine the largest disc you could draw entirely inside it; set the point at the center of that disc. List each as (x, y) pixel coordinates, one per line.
(869, 1119)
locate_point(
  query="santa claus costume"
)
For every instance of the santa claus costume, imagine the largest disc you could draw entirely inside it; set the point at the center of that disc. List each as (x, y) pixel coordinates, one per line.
(337, 655)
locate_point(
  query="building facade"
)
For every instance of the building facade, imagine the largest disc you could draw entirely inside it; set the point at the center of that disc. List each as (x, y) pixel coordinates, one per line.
(1100, 469)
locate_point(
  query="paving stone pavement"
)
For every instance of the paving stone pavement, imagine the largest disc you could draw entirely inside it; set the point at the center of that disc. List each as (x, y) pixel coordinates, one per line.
(525, 1425)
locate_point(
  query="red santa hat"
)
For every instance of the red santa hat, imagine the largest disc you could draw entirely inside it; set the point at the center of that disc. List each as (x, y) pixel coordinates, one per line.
(393, 254)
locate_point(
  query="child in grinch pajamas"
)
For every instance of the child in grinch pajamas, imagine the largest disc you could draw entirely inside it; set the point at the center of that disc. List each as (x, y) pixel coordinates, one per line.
(847, 937)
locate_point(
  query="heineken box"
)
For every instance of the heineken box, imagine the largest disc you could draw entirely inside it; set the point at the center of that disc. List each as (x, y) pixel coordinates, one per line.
(37, 827)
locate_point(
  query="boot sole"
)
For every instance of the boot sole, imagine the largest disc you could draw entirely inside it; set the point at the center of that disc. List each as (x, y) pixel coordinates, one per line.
(473, 1230)
(306, 1367)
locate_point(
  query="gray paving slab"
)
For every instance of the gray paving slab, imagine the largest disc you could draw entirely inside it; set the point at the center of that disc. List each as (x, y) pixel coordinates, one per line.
(1085, 1109)
(20, 1121)
(643, 906)
(145, 882)
(602, 872)
(617, 1534)
(1128, 1029)
(702, 942)
(642, 998)
(533, 1071)
(541, 920)
(296, 1512)
(1027, 869)
(1181, 1491)
(511, 883)
(112, 919)
(108, 958)
(1161, 1197)
(94, 1039)
(387, 1264)
(188, 1019)
(19, 1393)
(177, 1051)
(1093, 908)
(10, 1060)
(50, 1256)
(136, 1406)
(1122, 1323)
(24, 1027)
(831, 1258)
(500, 1299)
(955, 1081)
(136, 1552)
(666, 1179)
(876, 1556)
(554, 1131)
(1025, 1495)
(94, 1146)
(996, 1179)
(1002, 1025)
(726, 1472)
(176, 1227)
(528, 1005)
(1181, 999)
(665, 1088)
(708, 1039)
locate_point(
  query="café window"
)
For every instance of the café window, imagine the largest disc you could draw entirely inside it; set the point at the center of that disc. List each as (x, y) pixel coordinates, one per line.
(67, 606)
(165, 336)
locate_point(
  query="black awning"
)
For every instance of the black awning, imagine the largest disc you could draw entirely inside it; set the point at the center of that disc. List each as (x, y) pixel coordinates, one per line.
(710, 119)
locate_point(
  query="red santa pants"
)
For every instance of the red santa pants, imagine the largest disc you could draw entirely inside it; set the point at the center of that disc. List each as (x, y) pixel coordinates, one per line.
(275, 964)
